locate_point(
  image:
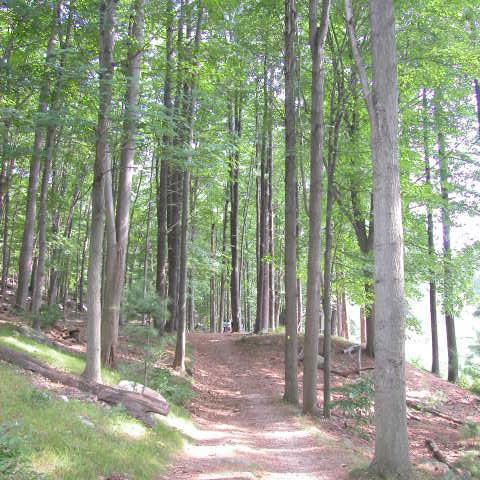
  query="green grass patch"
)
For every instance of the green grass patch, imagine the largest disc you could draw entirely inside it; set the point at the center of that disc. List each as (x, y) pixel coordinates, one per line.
(55, 357)
(45, 437)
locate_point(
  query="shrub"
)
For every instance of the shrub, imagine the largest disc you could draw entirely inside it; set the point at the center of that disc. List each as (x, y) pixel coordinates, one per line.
(357, 399)
(145, 306)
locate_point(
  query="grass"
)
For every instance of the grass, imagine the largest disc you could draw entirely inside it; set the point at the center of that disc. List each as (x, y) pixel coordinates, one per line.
(75, 440)
(62, 443)
(55, 357)
(175, 389)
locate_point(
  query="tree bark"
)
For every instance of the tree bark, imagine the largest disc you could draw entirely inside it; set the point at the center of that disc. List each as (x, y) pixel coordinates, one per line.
(317, 36)
(221, 308)
(116, 272)
(446, 240)
(431, 244)
(162, 173)
(26, 252)
(291, 338)
(236, 129)
(92, 371)
(335, 119)
(179, 361)
(213, 304)
(391, 441)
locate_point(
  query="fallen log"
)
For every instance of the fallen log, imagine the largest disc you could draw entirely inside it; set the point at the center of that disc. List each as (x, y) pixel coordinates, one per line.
(139, 405)
(425, 408)
(436, 452)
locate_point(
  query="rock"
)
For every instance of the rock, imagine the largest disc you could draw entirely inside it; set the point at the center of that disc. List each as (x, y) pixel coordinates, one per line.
(130, 386)
(64, 398)
(86, 421)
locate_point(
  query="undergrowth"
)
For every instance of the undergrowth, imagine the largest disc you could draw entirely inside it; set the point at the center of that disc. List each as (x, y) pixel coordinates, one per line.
(42, 436)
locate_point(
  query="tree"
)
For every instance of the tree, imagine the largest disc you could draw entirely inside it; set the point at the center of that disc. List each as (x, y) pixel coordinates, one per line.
(291, 340)
(119, 224)
(26, 254)
(317, 36)
(391, 440)
(92, 371)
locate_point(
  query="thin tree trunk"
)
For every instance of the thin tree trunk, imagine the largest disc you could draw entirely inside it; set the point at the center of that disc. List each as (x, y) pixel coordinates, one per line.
(115, 275)
(221, 309)
(213, 306)
(92, 371)
(39, 277)
(335, 119)
(291, 340)
(162, 175)
(26, 252)
(179, 361)
(317, 36)
(477, 97)
(431, 244)
(447, 248)
(234, 179)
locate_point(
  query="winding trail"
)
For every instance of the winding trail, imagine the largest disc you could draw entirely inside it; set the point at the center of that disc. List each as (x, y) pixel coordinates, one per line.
(242, 428)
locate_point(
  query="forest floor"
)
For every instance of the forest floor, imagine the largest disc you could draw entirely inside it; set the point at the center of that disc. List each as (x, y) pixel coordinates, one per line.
(245, 431)
(241, 429)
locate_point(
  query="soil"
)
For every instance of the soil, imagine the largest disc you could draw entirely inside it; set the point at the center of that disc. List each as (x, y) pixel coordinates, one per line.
(245, 430)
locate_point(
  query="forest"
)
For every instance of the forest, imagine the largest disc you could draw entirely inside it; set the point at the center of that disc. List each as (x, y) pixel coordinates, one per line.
(223, 223)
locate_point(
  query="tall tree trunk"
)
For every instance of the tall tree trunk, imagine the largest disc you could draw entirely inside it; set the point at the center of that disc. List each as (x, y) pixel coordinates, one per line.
(291, 340)
(446, 240)
(92, 371)
(162, 173)
(6, 247)
(236, 129)
(391, 441)
(26, 252)
(213, 305)
(81, 281)
(116, 274)
(431, 244)
(179, 361)
(477, 97)
(221, 308)
(317, 36)
(39, 277)
(333, 134)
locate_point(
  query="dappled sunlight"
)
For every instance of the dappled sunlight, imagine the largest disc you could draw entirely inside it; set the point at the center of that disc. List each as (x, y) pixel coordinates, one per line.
(243, 429)
(48, 462)
(129, 428)
(187, 428)
(15, 342)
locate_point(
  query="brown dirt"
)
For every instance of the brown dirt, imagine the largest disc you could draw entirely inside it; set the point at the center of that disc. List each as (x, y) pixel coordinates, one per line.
(245, 431)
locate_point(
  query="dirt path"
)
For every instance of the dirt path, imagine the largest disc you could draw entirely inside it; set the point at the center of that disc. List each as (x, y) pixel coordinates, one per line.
(244, 430)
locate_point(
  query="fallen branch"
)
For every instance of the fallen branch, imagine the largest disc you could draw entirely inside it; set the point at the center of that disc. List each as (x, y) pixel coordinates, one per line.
(139, 405)
(425, 408)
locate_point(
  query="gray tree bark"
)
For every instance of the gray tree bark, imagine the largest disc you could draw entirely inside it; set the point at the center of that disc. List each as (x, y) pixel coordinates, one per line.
(117, 247)
(317, 34)
(446, 241)
(431, 245)
(92, 371)
(26, 252)
(291, 338)
(391, 440)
